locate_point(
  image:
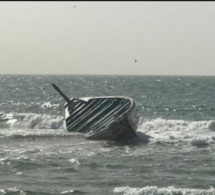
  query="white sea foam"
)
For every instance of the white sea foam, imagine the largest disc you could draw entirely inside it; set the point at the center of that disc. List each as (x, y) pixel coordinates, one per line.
(163, 131)
(154, 190)
(67, 192)
(74, 161)
(46, 105)
(32, 121)
(11, 191)
(197, 133)
(34, 134)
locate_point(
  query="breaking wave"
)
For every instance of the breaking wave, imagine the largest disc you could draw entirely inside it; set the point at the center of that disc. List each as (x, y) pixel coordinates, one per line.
(162, 131)
(31, 121)
(159, 131)
(154, 190)
(14, 190)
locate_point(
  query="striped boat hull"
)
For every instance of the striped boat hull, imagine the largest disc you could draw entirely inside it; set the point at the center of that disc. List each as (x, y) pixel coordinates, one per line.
(102, 118)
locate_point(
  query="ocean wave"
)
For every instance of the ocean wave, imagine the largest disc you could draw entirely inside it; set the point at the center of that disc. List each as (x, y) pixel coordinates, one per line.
(15, 190)
(49, 104)
(211, 125)
(163, 131)
(37, 133)
(156, 131)
(154, 190)
(31, 121)
(43, 105)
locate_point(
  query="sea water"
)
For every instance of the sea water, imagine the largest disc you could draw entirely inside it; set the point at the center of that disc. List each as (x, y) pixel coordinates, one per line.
(173, 155)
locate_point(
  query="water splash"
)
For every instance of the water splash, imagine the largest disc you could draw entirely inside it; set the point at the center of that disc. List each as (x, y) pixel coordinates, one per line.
(162, 131)
(31, 121)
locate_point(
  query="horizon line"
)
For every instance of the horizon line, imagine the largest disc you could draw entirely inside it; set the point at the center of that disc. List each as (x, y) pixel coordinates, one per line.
(51, 74)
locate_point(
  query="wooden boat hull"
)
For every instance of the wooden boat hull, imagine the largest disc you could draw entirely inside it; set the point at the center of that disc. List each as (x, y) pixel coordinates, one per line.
(102, 118)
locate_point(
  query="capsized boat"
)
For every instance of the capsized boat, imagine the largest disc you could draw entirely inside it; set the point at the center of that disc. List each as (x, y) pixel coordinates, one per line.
(102, 117)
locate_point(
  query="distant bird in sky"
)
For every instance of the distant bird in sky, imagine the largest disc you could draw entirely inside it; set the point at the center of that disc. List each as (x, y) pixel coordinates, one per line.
(135, 60)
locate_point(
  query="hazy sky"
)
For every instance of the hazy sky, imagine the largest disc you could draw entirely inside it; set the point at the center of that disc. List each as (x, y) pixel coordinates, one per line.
(144, 38)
